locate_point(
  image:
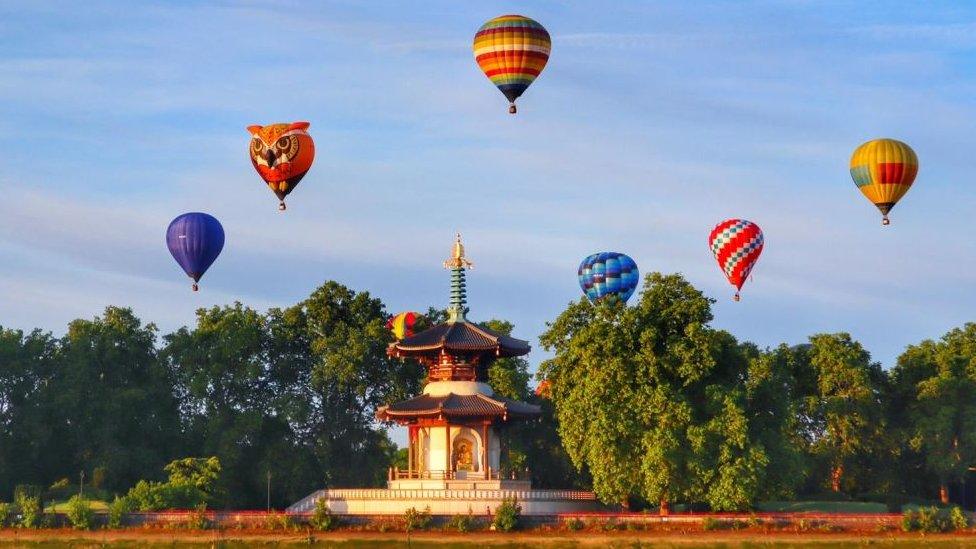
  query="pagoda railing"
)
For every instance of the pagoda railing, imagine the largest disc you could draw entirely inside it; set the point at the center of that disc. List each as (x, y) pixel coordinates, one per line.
(396, 473)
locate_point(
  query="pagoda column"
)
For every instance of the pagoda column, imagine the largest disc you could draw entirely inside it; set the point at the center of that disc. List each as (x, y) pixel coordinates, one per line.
(447, 450)
(484, 450)
(411, 448)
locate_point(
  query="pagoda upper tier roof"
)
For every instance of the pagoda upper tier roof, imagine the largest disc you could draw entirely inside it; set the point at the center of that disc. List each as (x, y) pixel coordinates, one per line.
(457, 406)
(460, 336)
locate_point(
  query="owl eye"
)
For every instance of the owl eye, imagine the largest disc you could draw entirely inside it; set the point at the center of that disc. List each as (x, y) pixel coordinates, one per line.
(257, 145)
(287, 146)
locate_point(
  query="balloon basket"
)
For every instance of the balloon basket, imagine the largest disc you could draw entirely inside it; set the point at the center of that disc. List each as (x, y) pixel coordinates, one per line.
(512, 109)
(885, 221)
(736, 297)
(282, 207)
(195, 287)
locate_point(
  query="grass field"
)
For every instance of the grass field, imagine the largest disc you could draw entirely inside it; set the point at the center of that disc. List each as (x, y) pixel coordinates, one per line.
(97, 505)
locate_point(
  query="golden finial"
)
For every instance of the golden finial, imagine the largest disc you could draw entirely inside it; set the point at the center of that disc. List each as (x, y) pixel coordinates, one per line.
(458, 261)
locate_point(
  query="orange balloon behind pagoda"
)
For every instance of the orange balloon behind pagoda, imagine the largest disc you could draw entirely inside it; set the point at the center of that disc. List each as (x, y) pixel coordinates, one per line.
(282, 154)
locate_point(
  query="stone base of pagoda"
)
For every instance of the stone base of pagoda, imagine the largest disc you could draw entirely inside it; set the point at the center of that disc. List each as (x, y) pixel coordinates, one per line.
(454, 501)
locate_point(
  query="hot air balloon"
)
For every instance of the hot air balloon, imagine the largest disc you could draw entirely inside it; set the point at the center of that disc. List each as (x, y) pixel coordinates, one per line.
(405, 324)
(282, 154)
(884, 169)
(737, 244)
(512, 50)
(608, 273)
(195, 240)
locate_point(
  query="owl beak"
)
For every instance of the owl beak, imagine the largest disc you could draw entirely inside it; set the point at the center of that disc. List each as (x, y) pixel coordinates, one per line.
(270, 158)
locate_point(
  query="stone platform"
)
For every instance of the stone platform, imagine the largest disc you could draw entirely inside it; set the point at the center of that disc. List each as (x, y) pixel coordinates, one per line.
(453, 501)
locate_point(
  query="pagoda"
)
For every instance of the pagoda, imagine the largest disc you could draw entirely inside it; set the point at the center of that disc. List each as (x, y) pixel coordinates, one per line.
(452, 426)
(453, 446)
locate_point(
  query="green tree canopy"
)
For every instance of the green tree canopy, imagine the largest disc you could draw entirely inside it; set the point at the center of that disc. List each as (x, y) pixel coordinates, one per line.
(846, 409)
(935, 382)
(654, 402)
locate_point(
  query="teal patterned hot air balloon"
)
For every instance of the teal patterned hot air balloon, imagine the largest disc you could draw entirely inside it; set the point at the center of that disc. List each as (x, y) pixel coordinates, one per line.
(608, 273)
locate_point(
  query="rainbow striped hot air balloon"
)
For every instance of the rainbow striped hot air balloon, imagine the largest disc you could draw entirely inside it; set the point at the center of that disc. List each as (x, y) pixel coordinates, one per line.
(512, 50)
(608, 273)
(884, 170)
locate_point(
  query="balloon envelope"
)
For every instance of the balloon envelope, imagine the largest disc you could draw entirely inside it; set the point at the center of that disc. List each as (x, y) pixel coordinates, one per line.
(282, 154)
(737, 245)
(512, 50)
(195, 239)
(884, 170)
(608, 273)
(405, 324)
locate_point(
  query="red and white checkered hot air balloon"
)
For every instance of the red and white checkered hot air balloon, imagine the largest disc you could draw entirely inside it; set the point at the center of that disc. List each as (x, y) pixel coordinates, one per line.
(737, 244)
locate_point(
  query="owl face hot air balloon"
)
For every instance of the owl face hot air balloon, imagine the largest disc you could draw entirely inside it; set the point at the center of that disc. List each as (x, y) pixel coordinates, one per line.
(282, 154)
(512, 50)
(884, 170)
(195, 239)
(737, 245)
(405, 324)
(608, 273)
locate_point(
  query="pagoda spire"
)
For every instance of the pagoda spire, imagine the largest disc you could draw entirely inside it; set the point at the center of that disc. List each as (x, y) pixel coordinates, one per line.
(457, 264)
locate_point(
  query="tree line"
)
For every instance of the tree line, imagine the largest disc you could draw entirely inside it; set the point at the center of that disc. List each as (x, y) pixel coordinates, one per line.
(647, 404)
(659, 407)
(289, 393)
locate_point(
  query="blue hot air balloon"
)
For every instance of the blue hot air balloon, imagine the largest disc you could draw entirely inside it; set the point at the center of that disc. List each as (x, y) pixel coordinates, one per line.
(608, 273)
(195, 240)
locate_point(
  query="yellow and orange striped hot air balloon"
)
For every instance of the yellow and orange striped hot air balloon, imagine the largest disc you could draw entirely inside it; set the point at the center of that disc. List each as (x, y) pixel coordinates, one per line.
(512, 50)
(884, 169)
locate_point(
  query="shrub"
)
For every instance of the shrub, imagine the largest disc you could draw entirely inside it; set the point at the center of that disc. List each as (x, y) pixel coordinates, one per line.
(932, 519)
(117, 510)
(708, 524)
(30, 509)
(909, 521)
(507, 515)
(322, 518)
(462, 523)
(417, 520)
(4, 513)
(574, 525)
(958, 518)
(610, 525)
(80, 513)
(279, 521)
(198, 518)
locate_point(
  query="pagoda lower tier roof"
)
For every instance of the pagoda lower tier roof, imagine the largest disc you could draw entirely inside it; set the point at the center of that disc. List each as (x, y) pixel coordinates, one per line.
(452, 406)
(460, 336)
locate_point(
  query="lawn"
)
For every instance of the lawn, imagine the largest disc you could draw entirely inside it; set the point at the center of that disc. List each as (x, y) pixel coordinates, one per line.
(822, 507)
(97, 505)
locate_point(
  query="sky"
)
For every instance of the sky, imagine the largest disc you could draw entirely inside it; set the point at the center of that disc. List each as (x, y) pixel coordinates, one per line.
(651, 123)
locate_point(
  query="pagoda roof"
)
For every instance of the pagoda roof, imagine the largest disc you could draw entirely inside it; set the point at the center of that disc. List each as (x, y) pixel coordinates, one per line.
(461, 336)
(457, 406)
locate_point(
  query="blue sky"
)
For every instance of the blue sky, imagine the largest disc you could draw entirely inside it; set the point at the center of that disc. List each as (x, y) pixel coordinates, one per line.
(651, 123)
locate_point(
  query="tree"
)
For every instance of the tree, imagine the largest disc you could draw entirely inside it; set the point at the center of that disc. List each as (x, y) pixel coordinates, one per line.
(27, 364)
(847, 411)
(332, 349)
(532, 445)
(226, 397)
(110, 400)
(652, 401)
(936, 384)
